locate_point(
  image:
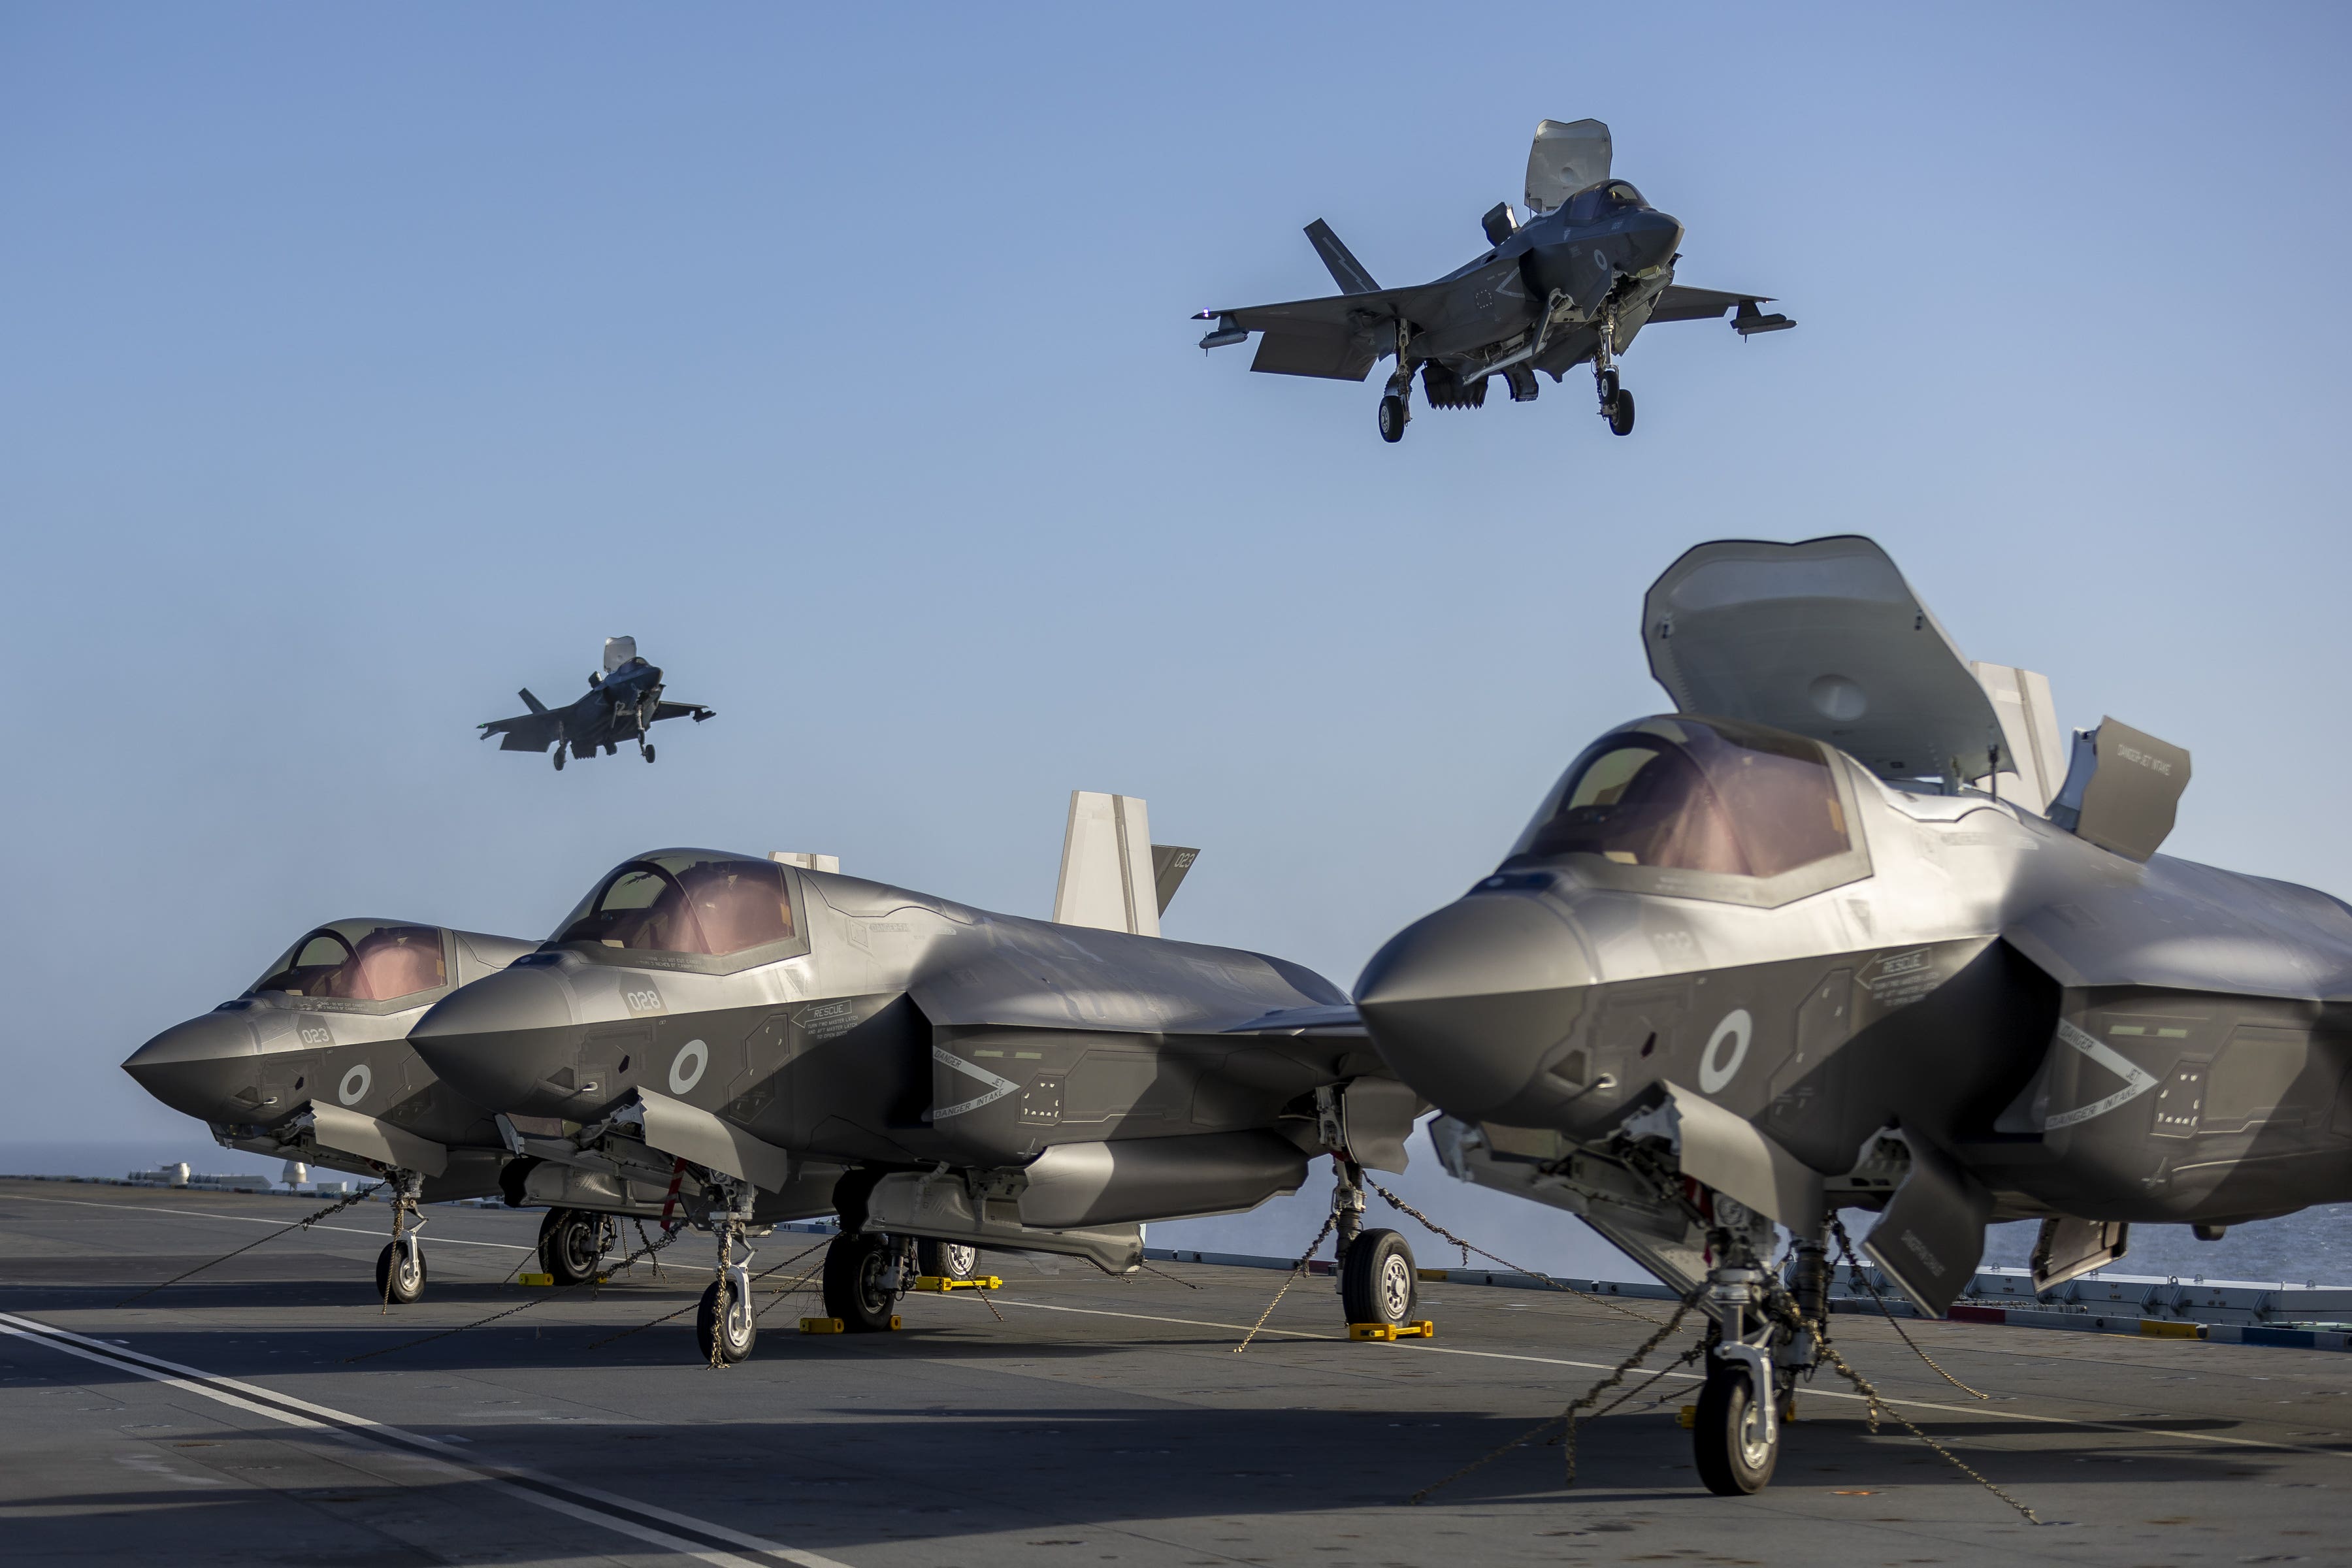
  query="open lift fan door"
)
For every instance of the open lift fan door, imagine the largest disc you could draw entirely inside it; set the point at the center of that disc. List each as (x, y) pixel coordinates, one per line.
(1567, 156)
(1824, 638)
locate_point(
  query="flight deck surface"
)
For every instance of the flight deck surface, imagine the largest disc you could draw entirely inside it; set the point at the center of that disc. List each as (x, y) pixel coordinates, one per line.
(218, 1421)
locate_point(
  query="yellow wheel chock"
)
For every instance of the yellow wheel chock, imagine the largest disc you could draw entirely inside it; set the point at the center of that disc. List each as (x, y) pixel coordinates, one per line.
(833, 1325)
(1421, 1330)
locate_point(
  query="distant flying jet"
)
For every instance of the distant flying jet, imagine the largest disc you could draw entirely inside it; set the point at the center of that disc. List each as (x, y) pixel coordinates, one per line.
(621, 704)
(1593, 265)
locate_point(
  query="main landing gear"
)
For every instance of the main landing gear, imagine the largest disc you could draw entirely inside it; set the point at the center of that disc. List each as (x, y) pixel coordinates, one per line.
(400, 1267)
(864, 1275)
(646, 749)
(559, 749)
(571, 1242)
(1377, 1279)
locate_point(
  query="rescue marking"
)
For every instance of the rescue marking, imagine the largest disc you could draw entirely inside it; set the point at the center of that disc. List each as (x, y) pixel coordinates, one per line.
(1737, 1026)
(683, 1076)
(2136, 1080)
(355, 1085)
(998, 1087)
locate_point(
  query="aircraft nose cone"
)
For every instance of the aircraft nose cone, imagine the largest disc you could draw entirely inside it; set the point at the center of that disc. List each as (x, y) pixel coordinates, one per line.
(498, 1040)
(196, 1067)
(1468, 1003)
(1656, 237)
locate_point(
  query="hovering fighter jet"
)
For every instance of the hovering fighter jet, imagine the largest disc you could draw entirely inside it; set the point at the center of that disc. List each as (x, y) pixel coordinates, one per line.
(794, 1042)
(1592, 265)
(1773, 954)
(621, 704)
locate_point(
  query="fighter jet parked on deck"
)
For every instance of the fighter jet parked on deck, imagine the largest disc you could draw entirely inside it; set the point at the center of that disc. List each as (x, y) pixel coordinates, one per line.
(312, 1063)
(787, 1041)
(1593, 264)
(621, 704)
(1774, 955)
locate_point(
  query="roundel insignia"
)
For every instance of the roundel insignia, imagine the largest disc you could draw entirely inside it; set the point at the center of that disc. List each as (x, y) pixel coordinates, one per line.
(355, 1085)
(685, 1068)
(1725, 1049)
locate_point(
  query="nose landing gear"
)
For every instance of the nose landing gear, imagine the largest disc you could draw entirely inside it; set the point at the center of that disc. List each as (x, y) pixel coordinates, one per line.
(400, 1268)
(1763, 1341)
(725, 1325)
(1616, 403)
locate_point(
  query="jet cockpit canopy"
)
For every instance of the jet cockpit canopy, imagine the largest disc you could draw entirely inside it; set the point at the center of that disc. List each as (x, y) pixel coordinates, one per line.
(1702, 808)
(1600, 201)
(697, 909)
(359, 960)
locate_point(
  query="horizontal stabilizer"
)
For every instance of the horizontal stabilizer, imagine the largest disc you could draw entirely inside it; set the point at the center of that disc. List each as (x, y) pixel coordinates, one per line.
(533, 703)
(1346, 270)
(1168, 864)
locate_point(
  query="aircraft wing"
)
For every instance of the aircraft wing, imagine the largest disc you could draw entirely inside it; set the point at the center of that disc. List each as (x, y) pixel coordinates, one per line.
(682, 710)
(1339, 337)
(1677, 303)
(524, 733)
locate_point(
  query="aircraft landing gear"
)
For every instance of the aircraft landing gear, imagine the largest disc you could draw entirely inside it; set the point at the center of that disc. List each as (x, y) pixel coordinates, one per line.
(1376, 1280)
(1620, 413)
(1396, 401)
(400, 1268)
(560, 749)
(864, 1275)
(946, 1259)
(1616, 403)
(725, 1324)
(571, 1242)
(1754, 1357)
(647, 748)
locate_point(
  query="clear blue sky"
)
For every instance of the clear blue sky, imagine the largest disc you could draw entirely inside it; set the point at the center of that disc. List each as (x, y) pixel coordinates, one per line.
(358, 366)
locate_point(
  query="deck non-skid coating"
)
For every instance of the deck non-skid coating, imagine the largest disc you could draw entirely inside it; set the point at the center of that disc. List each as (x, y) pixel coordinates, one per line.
(219, 1421)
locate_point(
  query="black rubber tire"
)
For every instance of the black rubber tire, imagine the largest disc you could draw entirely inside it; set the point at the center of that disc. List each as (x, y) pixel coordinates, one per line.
(1392, 418)
(1609, 386)
(1620, 414)
(1379, 1283)
(650, 753)
(401, 1286)
(559, 758)
(860, 1282)
(732, 1341)
(571, 1244)
(1729, 1466)
(947, 1260)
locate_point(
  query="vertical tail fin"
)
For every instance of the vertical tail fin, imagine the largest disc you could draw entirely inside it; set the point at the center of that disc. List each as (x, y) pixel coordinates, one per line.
(1346, 270)
(1106, 878)
(2033, 759)
(533, 703)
